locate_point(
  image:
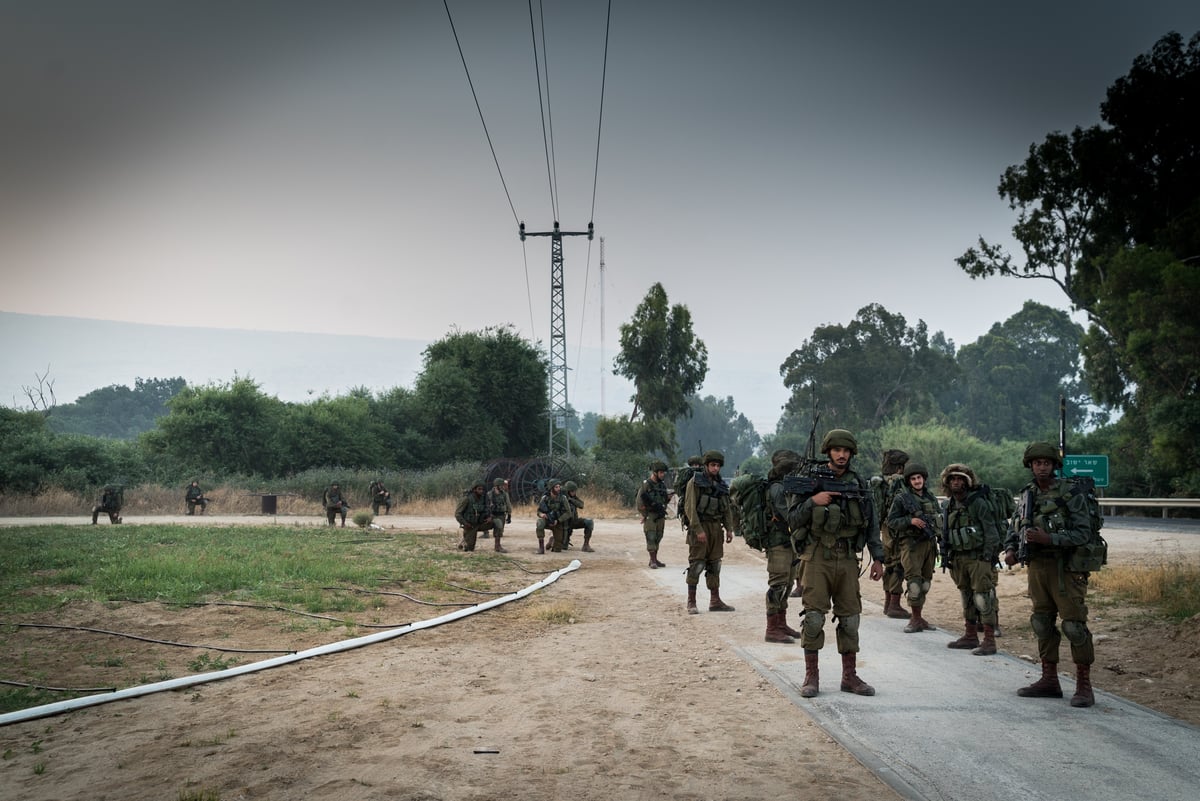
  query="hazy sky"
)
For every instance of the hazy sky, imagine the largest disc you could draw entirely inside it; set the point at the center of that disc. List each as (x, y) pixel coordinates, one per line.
(321, 167)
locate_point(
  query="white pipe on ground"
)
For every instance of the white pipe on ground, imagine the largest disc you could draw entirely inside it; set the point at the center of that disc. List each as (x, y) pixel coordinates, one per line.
(32, 713)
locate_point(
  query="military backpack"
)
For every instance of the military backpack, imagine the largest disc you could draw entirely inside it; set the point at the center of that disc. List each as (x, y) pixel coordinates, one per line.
(1093, 554)
(748, 493)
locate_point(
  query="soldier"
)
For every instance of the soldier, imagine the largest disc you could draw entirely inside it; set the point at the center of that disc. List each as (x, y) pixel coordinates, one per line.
(885, 487)
(379, 496)
(501, 506)
(1051, 521)
(915, 518)
(834, 531)
(473, 514)
(782, 562)
(195, 497)
(972, 535)
(335, 503)
(709, 514)
(652, 500)
(111, 501)
(585, 523)
(694, 465)
(555, 512)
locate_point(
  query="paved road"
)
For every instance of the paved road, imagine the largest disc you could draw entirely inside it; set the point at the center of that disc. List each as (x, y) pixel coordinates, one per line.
(948, 725)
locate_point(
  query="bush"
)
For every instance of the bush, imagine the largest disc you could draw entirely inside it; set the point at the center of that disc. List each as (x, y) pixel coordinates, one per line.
(363, 518)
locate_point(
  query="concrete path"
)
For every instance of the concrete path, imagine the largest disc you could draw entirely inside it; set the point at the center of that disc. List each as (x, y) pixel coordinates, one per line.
(946, 724)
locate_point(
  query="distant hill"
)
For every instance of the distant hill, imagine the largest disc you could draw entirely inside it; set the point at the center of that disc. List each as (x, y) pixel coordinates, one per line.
(83, 355)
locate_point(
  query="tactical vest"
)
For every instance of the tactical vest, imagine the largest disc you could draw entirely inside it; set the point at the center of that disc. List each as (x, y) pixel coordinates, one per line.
(963, 533)
(476, 510)
(654, 495)
(712, 497)
(500, 504)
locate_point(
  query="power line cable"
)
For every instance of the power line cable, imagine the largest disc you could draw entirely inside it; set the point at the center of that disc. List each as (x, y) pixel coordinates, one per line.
(600, 123)
(478, 108)
(543, 105)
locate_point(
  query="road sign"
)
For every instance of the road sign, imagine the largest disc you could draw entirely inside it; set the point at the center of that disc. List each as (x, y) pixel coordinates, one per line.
(1093, 466)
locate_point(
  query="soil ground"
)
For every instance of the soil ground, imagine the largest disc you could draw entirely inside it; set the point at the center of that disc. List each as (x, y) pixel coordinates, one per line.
(597, 687)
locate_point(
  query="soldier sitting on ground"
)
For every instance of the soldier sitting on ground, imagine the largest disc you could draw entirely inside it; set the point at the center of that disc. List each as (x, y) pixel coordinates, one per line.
(379, 496)
(585, 523)
(111, 501)
(335, 503)
(195, 497)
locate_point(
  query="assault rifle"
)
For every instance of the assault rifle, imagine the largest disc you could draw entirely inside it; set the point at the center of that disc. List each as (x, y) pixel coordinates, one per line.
(821, 478)
(1024, 523)
(914, 510)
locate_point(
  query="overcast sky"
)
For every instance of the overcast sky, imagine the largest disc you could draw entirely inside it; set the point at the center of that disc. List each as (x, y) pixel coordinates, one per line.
(322, 168)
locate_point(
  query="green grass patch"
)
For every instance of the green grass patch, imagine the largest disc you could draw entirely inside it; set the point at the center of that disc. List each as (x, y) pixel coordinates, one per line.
(1171, 590)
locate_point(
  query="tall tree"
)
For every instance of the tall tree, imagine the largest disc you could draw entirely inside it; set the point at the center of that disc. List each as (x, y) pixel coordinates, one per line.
(874, 368)
(117, 411)
(662, 356)
(718, 424)
(504, 403)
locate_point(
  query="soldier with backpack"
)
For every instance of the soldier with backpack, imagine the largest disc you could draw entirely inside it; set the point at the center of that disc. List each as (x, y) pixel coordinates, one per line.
(710, 515)
(682, 478)
(652, 500)
(782, 562)
(380, 496)
(834, 529)
(885, 488)
(1053, 520)
(973, 532)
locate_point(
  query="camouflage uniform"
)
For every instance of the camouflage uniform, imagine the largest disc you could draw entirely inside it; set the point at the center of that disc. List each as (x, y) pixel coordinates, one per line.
(501, 507)
(782, 561)
(555, 504)
(884, 488)
(972, 534)
(110, 504)
(585, 523)
(379, 497)
(195, 497)
(335, 504)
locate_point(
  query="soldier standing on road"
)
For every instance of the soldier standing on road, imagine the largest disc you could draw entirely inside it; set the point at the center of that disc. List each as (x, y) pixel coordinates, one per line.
(972, 537)
(335, 503)
(885, 487)
(554, 512)
(709, 515)
(195, 497)
(915, 518)
(473, 514)
(782, 562)
(652, 500)
(835, 531)
(585, 523)
(501, 507)
(1051, 521)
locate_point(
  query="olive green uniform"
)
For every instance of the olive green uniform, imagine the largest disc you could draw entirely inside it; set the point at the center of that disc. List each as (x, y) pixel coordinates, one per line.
(1054, 590)
(834, 536)
(501, 507)
(558, 506)
(973, 534)
(708, 509)
(652, 501)
(885, 490)
(474, 515)
(335, 504)
(917, 550)
(782, 561)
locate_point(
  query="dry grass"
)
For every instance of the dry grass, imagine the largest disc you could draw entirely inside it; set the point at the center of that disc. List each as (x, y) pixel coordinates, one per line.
(1172, 588)
(158, 500)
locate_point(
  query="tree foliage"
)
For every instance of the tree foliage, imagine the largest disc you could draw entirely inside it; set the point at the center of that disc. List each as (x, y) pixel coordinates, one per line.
(662, 356)
(116, 411)
(718, 424)
(873, 368)
(1111, 214)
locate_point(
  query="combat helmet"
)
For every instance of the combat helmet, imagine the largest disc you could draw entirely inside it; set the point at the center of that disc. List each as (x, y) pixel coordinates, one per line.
(839, 438)
(1041, 450)
(570, 486)
(961, 470)
(915, 469)
(783, 461)
(499, 482)
(695, 461)
(894, 460)
(714, 456)
(658, 465)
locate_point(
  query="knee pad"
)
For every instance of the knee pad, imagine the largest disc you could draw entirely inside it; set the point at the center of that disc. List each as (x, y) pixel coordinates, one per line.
(713, 568)
(914, 588)
(1076, 632)
(985, 602)
(849, 624)
(813, 622)
(1042, 625)
(967, 600)
(694, 570)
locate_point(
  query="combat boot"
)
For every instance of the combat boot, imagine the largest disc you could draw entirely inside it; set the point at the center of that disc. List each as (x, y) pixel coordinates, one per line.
(791, 632)
(715, 604)
(897, 611)
(851, 683)
(988, 646)
(653, 562)
(887, 602)
(775, 629)
(968, 640)
(1045, 687)
(657, 562)
(498, 548)
(691, 603)
(917, 623)
(587, 538)
(812, 675)
(541, 545)
(798, 592)
(1083, 686)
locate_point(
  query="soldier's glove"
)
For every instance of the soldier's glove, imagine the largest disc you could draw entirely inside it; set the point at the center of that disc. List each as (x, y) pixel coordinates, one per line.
(508, 518)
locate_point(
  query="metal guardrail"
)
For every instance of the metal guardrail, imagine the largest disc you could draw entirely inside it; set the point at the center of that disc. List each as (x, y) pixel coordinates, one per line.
(1149, 503)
